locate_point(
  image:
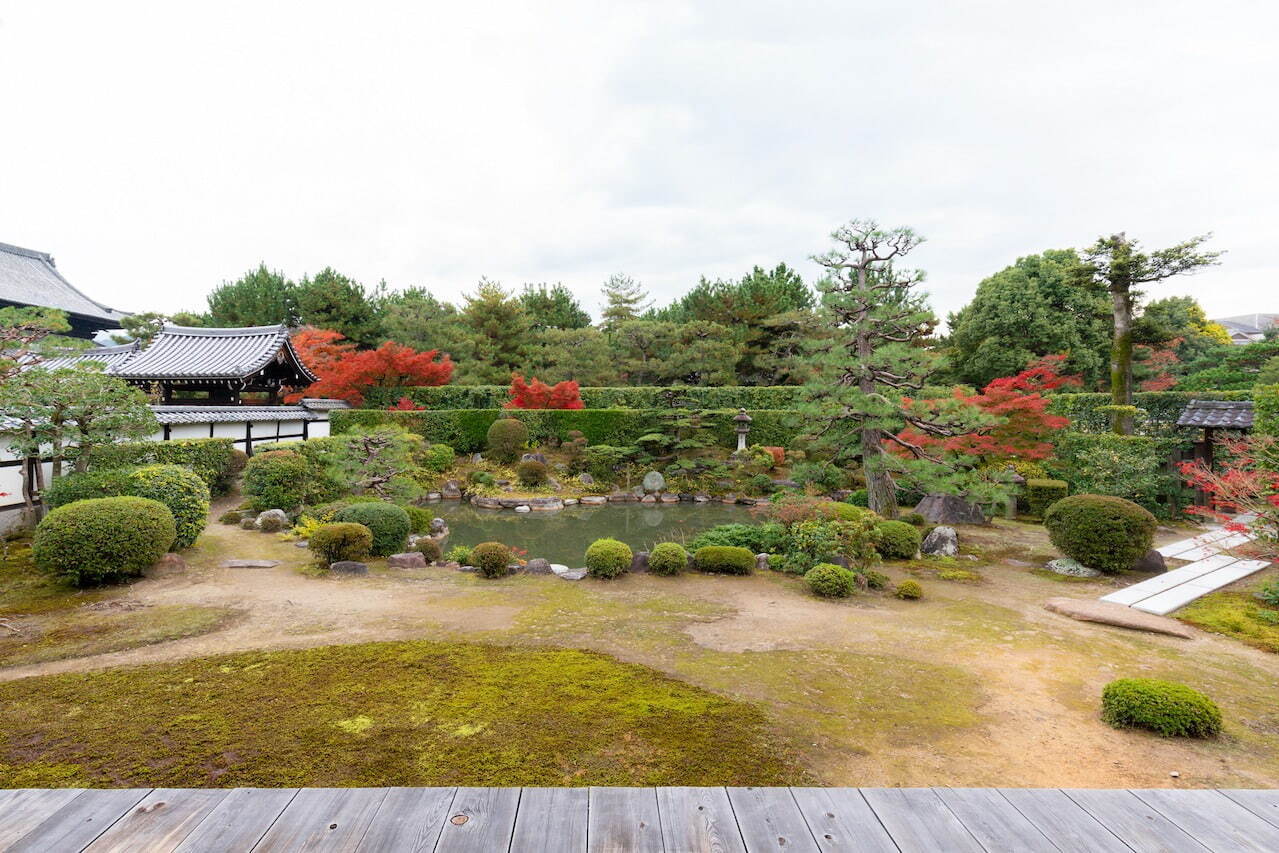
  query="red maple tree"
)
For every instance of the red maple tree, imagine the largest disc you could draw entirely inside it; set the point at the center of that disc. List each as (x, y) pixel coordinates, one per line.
(1243, 489)
(321, 349)
(538, 395)
(404, 404)
(345, 374)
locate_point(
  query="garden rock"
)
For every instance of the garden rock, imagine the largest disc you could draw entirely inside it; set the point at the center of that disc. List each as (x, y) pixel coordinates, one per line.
(572, 574)
(570, 502)
(654, 482)
(250, 564)
(701, 499)
(761, 562)
(451, 491)
(533, 457)
(523, 508)
(486, 503)
(432, 497)
(785, 484)
(950, 509)
(349, 567)
(669, 498)
(538, 566)
(729, 498)
(512, 503)
(1072, 568)
(1152, 562)
(477, 458)
(1110, 613)
(593, 500)
(248, 523)
(621, 497)
(273, 519)
(466, 568)
(407, 560)
(639, 561)
(302, 543)
(438, 526)
(545, 504)
(586, 479)
(648, 499)
(941, 542)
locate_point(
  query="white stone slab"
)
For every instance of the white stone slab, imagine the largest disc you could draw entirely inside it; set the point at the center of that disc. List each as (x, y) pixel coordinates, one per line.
(1168, 580)
(1179, 596)
(1173, 549)
(1170, 599)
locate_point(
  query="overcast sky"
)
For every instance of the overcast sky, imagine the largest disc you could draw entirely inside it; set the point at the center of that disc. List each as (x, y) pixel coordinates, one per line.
(156, 149)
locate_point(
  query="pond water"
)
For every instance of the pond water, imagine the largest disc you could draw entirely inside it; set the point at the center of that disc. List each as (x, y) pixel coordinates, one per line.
(562, 536)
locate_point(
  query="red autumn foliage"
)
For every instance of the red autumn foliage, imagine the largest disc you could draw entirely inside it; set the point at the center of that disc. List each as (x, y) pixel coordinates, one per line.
(538, 395)
(345, 373)
(404, 404)
(1159, 363)
(321, 349)
(779, 455)
(1246, 480)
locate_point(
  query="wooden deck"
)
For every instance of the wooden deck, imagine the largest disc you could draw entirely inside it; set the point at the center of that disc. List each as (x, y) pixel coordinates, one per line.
(724, 820)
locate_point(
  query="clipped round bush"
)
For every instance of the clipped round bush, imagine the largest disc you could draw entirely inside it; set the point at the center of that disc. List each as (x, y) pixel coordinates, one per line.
(436, 457)
(831, 581)
(231, 516)
(915, 519)
(182, 491)
(859, 497)
(419, 518)
(608, 558)
(897, 540)
(668, 558)
(482, 478)
(340, 540)
(107, 483)
(724, 560)
(506, 438)
(389, 523)
(103, 540)
(430, 549)
(1163, 707)
(909, 590)
(492, 559)
(1105, 533)
(838, 511)
(530, 472)
(276, 479)
(874, 579)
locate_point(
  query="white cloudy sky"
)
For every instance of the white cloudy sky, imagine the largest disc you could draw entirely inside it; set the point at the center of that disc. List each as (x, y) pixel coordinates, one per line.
(158, 148)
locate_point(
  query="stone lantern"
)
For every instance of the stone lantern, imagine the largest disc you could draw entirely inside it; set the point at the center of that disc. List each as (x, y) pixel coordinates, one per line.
(743, 422)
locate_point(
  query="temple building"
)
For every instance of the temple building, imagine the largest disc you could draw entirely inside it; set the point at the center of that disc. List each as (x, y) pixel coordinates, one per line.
(29, 279)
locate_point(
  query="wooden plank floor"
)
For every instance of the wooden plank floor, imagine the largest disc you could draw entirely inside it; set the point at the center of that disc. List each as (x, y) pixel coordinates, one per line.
(666, 820)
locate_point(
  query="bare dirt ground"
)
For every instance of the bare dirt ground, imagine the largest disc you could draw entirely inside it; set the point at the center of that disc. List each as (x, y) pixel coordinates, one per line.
(976, 684)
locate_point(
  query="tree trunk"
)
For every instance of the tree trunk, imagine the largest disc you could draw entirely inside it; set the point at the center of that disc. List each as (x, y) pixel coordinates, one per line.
(1121, 361)
(881, 491)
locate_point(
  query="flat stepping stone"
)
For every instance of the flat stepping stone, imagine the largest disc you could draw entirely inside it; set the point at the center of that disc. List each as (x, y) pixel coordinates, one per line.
(568, 574)
(250, 564)
(1180, 596)
(1119, 615)
(1132, 594)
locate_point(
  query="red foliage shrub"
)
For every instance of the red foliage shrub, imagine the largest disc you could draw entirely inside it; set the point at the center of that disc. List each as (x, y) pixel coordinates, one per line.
(345, 372)
(538, 395)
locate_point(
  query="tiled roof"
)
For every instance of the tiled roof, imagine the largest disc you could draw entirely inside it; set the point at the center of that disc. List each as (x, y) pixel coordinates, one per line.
(232, 414)
(1224, 414)
(186, 352)
(110, 357)
(28, 277)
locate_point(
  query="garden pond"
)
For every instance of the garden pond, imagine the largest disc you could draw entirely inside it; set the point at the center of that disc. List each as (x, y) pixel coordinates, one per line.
(562, 536)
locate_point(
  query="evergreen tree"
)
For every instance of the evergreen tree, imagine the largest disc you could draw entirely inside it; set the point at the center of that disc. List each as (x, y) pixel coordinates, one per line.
(334, 301)
(624, 300)
(260, 297)
(499, 333)
(553, 307)
(582, 355)
(415, 318)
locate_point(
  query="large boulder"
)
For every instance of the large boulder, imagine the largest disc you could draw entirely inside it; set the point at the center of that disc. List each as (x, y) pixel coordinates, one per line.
(407, 560)
(654, 482)
(1151, 562)
(639, 561)
(950, 509)
(273, 520)
(941, 541)
(451, 491)
(593, 500)
(538, 566)
(350, 567)
(534, 457)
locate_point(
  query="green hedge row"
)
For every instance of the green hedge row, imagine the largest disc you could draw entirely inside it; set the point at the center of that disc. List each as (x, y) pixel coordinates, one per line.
(465, 430)
(1266, 409)
(214, 459)
(1161, 408)
(640, 397)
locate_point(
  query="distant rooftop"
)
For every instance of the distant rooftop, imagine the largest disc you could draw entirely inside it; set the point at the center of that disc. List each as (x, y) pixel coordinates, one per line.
(1217, 414)
(29, 278)
(179, 352)
(1248, 324)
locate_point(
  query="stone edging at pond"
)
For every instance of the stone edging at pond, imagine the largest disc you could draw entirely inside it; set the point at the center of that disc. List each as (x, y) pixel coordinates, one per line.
(548, 504)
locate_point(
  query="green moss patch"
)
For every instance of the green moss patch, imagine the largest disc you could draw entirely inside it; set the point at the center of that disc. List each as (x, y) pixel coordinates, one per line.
(414, 713)
(26, 590)
(1235, 614)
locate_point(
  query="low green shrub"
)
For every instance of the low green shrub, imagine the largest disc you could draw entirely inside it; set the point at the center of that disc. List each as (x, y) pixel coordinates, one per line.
(909, 590)
(419, 518)
(914, 518)
(874, 579)
(340, 540)
(389, 523)
(506, 438)
(436, 457)
(231, 516)
(1041, 494)
(103, 540)
(182, 491)
(1269, 592)
(608, 558)
(668, 558)
(430, 549)
(724, 560)
(276, 479)
(530, 472)
(1104, 533)
(859, 497)
(831, 581)
(1163, 707)
(492, 559)
(460, 554)
(483, 478)
(758, 538)
(823, 476)
(897, 540)
(96, 483)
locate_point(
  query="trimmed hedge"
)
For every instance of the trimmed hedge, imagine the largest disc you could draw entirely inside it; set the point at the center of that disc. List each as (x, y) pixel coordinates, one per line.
(103, 540)
(332, 543)
(107, 483)
(831, 581)
(182, 491)
(429, 549)
(1041, 494)
(389, 523)
(1160, 409)
(215, 459)
(639, 397)
(1105, 533)
(492, 559)
(668, 558)
(1070, 449)
(505, 438)
(765, 538)
(276, 479)
(1163, 707)
(897, 540)
(1266, 409)
(724, 560)
(608, 558)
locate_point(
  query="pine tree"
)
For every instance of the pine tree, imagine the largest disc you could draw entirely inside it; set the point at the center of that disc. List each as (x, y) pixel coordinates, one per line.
(624, 299)
(499, 329)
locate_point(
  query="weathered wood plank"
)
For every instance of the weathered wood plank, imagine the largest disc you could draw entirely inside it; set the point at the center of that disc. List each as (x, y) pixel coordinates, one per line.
(24, 809)
(481, 820)
(1213, 819)
(1263, 803)
(769, 819)
(918, 820)
(1135, 823)
(239, 821)
(80, 821)
(1063, 821)
(329, 819)
(994, 821)
(409, 820)
(841, 820)
(551, 820)
(699, 820)
(161, 821)
(624, 820)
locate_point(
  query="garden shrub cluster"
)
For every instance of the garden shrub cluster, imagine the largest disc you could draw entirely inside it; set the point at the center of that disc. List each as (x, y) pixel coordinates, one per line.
(103, 540)
(389, 524)
(618, 397)
(429, 549)
(491, 559)
(897, 540)
(1041, 494)
(1105, 533)
(215, 460)
(1163, 707)
(724, 560)
(909, 590)
(1265, 409)
(668, 558)
(505, 439)
(765, 538)
(831, 581)
(338, 541)
(608, 558)
(436, 457)
(530, 472)
(1133, 467)
(419, 518)
(277, 479)
(180, 489)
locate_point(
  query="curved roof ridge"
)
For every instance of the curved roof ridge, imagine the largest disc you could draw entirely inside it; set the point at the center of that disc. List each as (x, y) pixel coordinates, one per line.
(225, 331)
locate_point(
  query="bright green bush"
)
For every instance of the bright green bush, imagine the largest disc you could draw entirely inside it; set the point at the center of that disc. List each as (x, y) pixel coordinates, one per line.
(1041, 494)
(1104, 533)
(340, 540)
(389, 523)
(419, 518)
(724, 560)
(824, 476)
(215, 460)
(103, 540)
(460, 554)
(276, 479)
(914, 518)
(506, 438)
(530, 472)
(758, 538)
(436, 457)
(182, 491)
(668, 558)
(429, 548)
(909, 590)
(831, 581)
(1163, 707)
(492, 559)
(608, 558)
(897, 540)
(482, 478)
(96, 483)
(859, 497)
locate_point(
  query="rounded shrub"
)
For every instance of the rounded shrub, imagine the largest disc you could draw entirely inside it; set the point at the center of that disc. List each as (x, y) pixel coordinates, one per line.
(915, 519)
(530, 472)
(107, 483)
(506, 438)
(837, 511)
(1105, 533)
(482, 478)
(859, 497)
(337, 541)
(419, 518)
(182, 491)
(874, 579)
(608, 558)
(389, 523)
(436, 457)
(276, 479)
(897, 540)
(430, 549)
(492, 559)
(460, 554)
(231, 516)
(668, 558)
(724, 560)
(831, 581)
(103, 540)
(909, 590)
(1163, 707)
